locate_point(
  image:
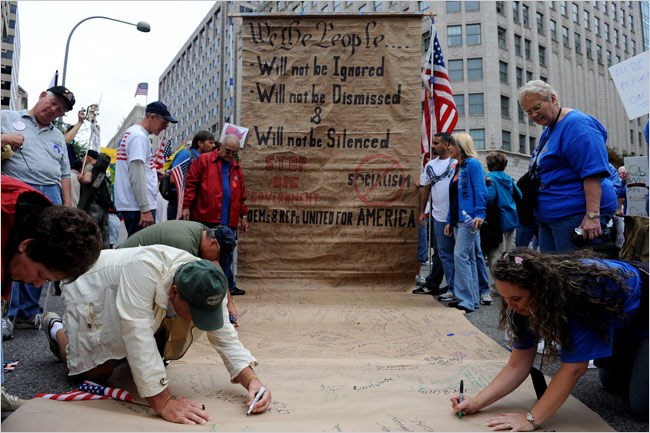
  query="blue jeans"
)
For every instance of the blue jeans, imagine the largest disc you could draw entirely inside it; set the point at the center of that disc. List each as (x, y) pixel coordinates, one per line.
(422, 242)
(481, 268)
(526, 232)
(466, 275)
(132, 220)
(24, 297)
(555, 236)
(445, 245)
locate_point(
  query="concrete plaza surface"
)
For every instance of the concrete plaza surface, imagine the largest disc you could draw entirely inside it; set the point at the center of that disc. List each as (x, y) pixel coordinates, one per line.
(38, 371)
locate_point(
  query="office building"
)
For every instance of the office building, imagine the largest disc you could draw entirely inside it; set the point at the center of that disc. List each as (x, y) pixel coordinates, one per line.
(12, 98)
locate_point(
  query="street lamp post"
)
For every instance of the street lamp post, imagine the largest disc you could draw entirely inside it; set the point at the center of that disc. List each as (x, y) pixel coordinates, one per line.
(141, 26)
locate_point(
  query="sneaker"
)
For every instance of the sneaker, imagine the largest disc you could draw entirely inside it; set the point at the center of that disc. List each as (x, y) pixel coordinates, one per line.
(419, 279)
(10, 402)
(486, 299)
(422, 290)
(32, 322)
(48, 320)
(447, 297)
(7, 329)
(235, 291)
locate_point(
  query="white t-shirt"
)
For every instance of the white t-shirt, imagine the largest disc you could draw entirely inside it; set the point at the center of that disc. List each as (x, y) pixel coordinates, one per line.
(134, 145)
(438, 173)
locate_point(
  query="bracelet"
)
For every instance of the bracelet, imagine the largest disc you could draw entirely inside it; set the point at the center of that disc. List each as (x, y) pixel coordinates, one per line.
(248, 382)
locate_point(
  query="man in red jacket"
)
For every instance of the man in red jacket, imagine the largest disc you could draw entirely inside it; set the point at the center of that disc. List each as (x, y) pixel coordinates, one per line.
(215, 195)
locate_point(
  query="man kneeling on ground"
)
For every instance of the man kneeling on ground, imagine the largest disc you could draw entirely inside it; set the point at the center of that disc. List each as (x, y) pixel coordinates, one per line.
(142, 304)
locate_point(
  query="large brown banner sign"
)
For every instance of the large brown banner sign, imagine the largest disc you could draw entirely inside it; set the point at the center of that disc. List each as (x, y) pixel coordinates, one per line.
(331, 160)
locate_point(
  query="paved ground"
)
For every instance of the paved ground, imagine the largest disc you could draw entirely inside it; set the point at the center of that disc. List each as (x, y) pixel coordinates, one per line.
(39, 371)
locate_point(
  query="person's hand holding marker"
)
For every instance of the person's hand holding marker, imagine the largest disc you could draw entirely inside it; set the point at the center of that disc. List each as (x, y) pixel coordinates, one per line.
(260, 404)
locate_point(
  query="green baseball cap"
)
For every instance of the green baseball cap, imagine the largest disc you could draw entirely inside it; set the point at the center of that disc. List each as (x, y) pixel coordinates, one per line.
(203, 285)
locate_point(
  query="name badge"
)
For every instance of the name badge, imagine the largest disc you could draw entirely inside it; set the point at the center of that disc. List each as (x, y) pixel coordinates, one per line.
(18, 125)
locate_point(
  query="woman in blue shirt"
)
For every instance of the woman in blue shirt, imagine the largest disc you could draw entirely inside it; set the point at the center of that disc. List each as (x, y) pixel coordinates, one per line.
(571, 164)
(467, 201)
(590, 308)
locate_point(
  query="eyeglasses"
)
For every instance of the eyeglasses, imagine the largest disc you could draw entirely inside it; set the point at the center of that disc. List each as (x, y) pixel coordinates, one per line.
(230, 152)
(535, 109)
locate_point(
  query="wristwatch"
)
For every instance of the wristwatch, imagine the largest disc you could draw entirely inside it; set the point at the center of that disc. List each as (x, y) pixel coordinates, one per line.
(530, 419)
(593, 216)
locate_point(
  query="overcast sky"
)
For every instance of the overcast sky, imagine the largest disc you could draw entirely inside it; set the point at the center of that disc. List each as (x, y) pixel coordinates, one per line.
(106, 59)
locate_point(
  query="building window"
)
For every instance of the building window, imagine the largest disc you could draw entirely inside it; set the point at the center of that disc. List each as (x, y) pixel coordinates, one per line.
(597, 25)
(589, 50)
(599, 54)
(565, 37)
(426, 40)
(607, 32)
(517, 45)
(633, 47)
(527, 50)
(616, 37)
(473, 34)
(618, 59)
(325, 8)
(515, 12)
(472, 6)
(520, 77)
(576, 16)
(454, 36)
(529, 76)
(522, 144)
(476, 103)
(542, 55)
(459, 100)
(478, 136)
(453, 7)
(505, 106)
(505, 140)
(501, 36)
(533, 144)
(520, 114)
(540, 23)
(503, 72)
(609, 58)
(631, 19)
(337, 5)
(474, 69)
(422, 5)
(362, 8)
(614, 11)
(563, 7)
(625, 43)
(501, 8)
(553, 26)
(576, 37)
(455, 70)
(585, 17)
(552, 5)
(526, 14)
(605, 7)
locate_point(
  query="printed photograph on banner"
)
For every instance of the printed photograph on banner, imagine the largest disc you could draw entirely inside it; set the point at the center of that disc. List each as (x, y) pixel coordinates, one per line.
(239, 131)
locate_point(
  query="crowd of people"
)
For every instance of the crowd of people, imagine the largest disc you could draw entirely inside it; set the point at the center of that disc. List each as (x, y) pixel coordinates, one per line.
(140, 302)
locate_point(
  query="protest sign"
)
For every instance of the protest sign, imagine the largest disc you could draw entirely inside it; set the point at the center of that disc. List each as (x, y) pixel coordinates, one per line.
(631, 78)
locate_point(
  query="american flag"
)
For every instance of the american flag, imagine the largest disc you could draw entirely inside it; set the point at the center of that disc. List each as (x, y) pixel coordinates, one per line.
(179, 173)
(142, 89)
(441, 105)
(90, 391)
(163, 153)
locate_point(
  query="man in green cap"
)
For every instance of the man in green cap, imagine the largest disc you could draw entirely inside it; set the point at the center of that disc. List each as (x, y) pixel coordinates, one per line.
(142, 304)
(190, 236)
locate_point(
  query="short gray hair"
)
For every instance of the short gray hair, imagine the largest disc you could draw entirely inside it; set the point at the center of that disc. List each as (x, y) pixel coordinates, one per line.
(537, 87)
(231, 138)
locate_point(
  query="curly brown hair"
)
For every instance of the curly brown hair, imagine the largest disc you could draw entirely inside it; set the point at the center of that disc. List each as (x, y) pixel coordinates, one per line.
(562, 287)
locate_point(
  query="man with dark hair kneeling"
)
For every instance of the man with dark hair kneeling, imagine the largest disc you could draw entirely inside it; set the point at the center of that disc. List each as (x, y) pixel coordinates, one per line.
(142, 304)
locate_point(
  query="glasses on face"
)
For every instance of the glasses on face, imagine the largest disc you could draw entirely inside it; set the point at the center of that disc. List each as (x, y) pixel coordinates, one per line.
(533, 111)
(230, 152)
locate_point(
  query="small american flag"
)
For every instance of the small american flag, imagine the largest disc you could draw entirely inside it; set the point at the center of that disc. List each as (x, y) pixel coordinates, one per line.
(441, 104)
(163, 153)
(90, 391)
(142, 89)
(179, 174)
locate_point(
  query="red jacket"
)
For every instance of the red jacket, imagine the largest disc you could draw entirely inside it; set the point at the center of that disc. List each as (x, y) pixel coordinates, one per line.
(204, 190)
(11, 190)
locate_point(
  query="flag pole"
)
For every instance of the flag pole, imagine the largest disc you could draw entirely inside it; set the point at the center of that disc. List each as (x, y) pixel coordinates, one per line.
(432, 116)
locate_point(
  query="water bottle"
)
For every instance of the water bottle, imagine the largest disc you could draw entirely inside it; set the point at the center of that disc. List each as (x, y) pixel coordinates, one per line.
(468, 222)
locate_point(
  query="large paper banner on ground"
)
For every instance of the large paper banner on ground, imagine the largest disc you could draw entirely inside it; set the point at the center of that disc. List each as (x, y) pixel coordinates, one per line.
(331, 161)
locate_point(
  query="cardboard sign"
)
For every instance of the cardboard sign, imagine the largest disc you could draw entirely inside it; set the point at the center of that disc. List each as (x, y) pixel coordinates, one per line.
(631, 78)
(637, 185)
(239, 131)
(333, 106)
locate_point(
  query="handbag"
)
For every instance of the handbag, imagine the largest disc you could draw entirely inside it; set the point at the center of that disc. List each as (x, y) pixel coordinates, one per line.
(166, 188)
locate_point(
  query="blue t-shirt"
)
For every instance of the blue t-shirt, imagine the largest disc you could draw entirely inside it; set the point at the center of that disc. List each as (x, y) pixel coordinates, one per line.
(575, 150)
(587, 343)
(225, 203)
